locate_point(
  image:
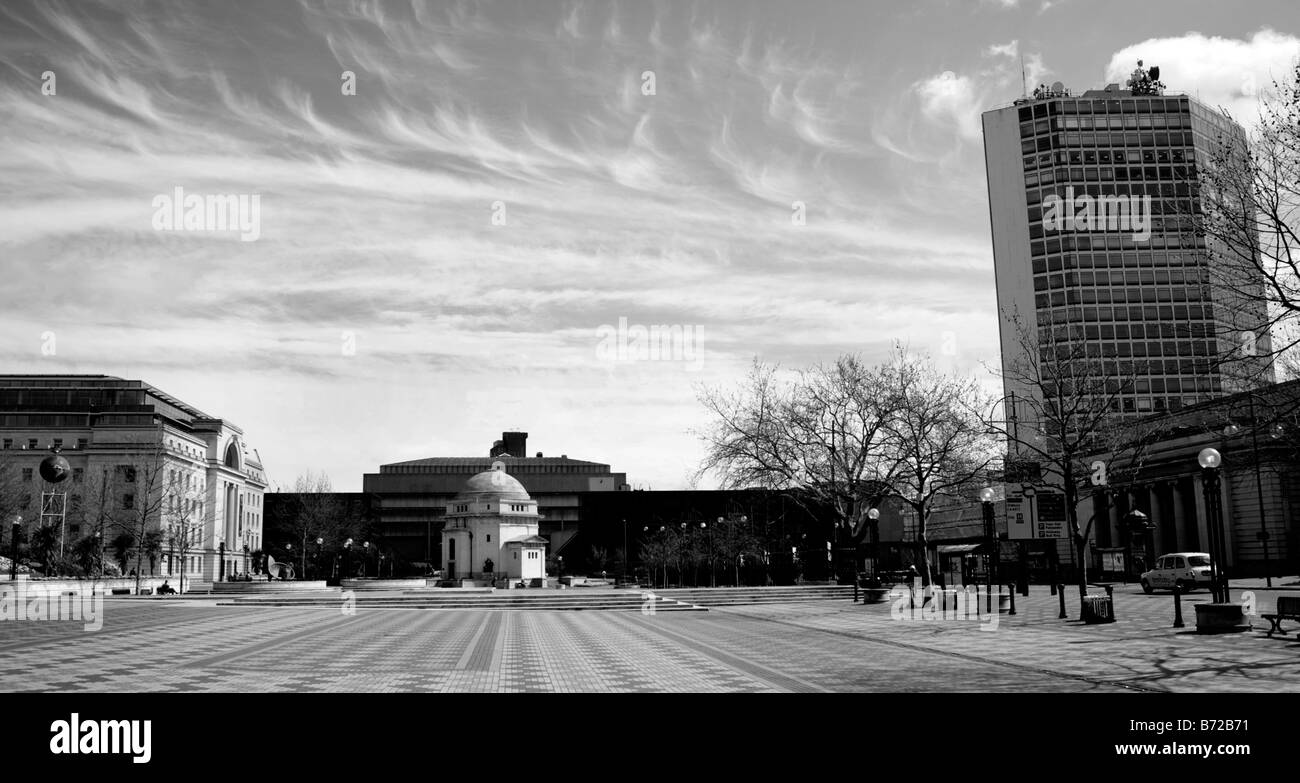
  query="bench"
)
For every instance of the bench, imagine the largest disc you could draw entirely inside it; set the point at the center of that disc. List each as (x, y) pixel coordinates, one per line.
(1288, 608)
(891, 578)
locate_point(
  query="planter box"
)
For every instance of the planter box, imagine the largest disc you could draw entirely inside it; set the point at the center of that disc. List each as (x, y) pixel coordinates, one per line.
(1220, 618)
(874, 595)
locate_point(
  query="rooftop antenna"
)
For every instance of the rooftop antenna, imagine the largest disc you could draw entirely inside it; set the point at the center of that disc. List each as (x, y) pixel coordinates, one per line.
(1024, 83)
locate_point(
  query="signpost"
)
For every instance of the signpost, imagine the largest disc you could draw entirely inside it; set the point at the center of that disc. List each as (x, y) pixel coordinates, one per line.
(1019, 515)
(1034, 514)
(1050, 520)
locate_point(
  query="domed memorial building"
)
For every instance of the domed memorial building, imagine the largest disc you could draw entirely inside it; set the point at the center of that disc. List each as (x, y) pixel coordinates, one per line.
(491, 532)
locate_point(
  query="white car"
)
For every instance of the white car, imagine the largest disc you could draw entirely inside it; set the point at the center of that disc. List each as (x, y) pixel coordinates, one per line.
(1184, 570)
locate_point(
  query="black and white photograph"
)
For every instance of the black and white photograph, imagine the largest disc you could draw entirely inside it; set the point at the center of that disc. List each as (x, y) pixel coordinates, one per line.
(358, 351)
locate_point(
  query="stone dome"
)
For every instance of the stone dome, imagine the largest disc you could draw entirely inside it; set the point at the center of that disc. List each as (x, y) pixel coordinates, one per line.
(493, 484)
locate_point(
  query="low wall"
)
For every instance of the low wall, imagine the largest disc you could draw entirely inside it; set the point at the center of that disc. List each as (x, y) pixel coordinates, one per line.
(384, 584)
(87, 586)
(278, 586)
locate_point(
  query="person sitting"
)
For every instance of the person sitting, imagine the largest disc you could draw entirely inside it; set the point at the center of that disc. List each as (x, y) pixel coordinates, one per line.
(166, 589)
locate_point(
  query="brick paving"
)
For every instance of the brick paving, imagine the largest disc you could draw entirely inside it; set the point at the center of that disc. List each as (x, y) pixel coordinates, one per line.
(796, 647)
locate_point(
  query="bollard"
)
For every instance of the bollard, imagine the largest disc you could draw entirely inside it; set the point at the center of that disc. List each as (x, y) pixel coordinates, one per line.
(1013, 600)
(1060, 592)
(1110, 596)
(1053, 588)
(1178, 607)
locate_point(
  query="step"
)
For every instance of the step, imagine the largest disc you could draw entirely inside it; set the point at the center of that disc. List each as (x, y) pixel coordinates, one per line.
(502, 600)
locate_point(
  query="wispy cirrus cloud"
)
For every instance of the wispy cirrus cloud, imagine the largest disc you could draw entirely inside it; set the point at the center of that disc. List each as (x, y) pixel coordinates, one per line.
(499, 186)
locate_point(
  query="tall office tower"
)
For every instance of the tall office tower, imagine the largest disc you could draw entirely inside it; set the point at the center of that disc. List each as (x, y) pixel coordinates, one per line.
(1092, 199)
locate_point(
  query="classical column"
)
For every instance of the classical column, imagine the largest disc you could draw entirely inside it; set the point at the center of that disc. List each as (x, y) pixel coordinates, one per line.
(1202, 529)
(1184, 525)
(1229, 519)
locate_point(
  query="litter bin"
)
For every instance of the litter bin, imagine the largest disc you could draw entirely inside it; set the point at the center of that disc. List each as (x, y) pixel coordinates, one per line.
(1098, 608)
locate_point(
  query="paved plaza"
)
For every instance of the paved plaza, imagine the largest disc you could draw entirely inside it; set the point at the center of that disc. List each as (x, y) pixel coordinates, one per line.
(192, 644)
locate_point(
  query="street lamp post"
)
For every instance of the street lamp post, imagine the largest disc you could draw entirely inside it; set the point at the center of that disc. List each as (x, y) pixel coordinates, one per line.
(874, 515)
(681, 556)
(13, 549)
(990, 532)
(1210, 461)
(713, 582)
(662, 540)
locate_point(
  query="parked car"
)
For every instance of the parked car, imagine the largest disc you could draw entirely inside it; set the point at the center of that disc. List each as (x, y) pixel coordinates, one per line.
(1184, 570)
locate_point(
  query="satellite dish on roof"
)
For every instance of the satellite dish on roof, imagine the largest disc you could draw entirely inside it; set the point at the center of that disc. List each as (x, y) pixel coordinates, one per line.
(1058, 87)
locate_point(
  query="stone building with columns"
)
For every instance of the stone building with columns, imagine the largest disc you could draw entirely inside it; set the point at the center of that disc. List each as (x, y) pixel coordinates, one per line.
(1257, 433)
(142, 461)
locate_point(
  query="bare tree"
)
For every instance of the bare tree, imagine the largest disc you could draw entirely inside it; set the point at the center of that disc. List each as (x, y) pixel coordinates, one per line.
(318, 513)
(935, 437)
(143, 483)
(820, 437)
(98, 508)
(182, 516)
(12, 509)
(732, 544)
(11, 490)
(1068, 419)
(658, 549)
(1250, 202)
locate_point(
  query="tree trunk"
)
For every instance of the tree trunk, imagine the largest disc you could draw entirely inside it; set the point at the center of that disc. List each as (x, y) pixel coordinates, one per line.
(923, 536)
(1080, 542)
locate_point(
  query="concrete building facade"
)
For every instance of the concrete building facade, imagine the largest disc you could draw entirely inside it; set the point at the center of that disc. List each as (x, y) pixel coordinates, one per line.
(1093, 201)
(411, 497)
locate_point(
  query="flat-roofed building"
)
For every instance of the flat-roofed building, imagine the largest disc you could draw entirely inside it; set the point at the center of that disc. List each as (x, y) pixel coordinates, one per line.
(411, 496)
(1093, 201)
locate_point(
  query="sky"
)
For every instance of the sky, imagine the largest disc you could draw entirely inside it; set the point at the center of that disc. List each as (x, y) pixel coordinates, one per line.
(471, 215)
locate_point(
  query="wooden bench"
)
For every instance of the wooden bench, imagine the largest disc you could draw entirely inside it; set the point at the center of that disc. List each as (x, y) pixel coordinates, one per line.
(1288, 608)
